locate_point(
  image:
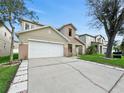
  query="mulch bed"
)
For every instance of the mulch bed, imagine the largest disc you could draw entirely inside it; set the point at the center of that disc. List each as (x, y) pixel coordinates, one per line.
(10, 63)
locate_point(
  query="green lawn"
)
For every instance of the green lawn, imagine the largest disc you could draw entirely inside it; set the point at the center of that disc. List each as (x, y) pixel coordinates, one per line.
(6, 58)
(6, 76)
(102, 60)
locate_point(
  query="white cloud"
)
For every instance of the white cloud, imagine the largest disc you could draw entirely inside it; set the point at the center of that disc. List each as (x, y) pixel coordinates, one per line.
(37, 10)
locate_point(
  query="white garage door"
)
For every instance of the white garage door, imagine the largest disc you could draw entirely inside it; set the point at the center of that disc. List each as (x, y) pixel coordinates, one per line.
(38, 49)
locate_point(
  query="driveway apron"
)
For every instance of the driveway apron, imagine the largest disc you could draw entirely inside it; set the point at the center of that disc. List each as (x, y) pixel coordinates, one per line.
(70, 75)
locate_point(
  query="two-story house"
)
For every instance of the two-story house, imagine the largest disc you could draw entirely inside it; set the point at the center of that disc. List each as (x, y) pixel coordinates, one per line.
(37, 40)
(99, 42)
(5, 40)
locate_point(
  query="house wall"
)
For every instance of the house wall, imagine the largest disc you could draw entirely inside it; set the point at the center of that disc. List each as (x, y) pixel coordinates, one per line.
(31, 25)
(83, 38)
(65, 32)
(5, 41)
(72, 40)
(23, 51)
(47, 34)
(99, 39)
(89, 40)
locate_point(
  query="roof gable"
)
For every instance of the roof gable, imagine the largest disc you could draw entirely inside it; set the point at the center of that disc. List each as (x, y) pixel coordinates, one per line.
(3, 25)
(87, 35)
(32, 22)
(43, 27)
(100, 36)
(68, 25)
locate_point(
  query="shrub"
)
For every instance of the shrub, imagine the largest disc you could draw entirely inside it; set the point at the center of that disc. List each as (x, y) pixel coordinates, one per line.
(5, 59)
(91, 50)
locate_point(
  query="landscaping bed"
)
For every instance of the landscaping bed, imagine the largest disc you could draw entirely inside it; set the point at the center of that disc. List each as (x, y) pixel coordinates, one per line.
(5, 59)
(101, 59)
(6, 76)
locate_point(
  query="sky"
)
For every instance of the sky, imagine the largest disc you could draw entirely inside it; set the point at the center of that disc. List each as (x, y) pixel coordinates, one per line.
(59, 12)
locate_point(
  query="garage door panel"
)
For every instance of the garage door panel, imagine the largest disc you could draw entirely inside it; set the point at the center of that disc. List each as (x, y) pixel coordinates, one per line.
(45, 49)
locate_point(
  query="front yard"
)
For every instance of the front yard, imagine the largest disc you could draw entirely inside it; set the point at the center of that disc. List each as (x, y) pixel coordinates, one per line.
(102, 60)
(6, 76)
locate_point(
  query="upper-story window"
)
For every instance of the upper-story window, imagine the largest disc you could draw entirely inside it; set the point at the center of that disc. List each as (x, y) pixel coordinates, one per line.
(70, 32)
(27, 26)
(4, 45)
(5, 34)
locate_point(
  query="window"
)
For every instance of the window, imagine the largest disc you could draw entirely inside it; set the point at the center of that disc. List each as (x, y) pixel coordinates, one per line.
(4, 45)
(5, 34)
(26, 26)
(70, 32)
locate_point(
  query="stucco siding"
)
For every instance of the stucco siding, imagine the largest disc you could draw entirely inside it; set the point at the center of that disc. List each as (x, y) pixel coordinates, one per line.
(83, 38)
(65, 32)
(5, 41)
(31, 26)
(89, 40)
(46, 34)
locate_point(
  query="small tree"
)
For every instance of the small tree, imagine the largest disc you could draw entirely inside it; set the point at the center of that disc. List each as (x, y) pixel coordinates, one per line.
(110, 15)
(11, 11)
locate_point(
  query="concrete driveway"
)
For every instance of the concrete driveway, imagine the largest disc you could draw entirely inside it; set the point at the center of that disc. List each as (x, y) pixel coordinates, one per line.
(70, 75)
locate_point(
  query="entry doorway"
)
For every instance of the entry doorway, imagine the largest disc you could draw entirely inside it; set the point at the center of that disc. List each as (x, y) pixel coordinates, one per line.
(100, 49)
(69, 50)
(78, 50)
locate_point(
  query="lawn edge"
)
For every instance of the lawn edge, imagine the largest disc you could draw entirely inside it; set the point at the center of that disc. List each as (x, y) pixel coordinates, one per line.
(7, 89)
(105, 65)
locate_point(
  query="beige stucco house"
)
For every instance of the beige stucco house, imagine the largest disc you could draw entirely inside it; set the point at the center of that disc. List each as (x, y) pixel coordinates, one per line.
(37, 40)
(5, 40)
(99, 41)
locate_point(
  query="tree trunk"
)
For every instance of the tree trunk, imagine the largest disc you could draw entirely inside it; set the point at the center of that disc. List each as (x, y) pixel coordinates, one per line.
(109, 46)
(12, 44)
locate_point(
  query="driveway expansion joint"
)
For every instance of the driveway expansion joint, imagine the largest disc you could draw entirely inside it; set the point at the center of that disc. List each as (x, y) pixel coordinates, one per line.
(87, 78)
(52, 64)
(116, 83)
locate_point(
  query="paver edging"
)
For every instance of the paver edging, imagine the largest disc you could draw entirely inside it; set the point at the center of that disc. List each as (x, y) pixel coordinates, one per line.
(17, 83)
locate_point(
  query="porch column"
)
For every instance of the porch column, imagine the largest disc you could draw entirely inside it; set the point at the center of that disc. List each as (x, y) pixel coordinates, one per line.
(23, 51)
(74, 50)
(66, 50)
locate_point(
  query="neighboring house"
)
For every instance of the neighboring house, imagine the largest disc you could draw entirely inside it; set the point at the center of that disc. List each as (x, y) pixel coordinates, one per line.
(37, 40)
(16, 47)
(99, 42)
(5, 40)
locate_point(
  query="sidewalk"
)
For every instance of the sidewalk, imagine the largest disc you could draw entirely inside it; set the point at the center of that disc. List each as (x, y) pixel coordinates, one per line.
(19, 84)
